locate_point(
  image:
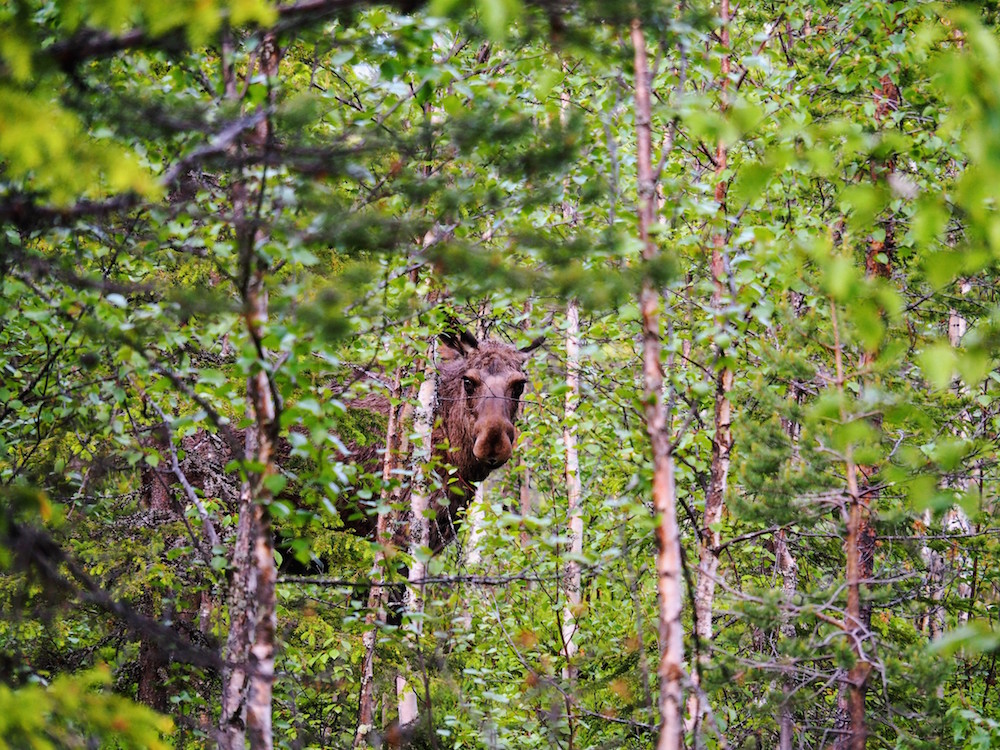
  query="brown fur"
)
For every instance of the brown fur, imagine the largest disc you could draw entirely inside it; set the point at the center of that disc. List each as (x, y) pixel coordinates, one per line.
(476, 430)
(473, 433)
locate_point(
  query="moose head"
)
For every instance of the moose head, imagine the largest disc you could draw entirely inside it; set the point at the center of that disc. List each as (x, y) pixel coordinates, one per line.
(479, 392)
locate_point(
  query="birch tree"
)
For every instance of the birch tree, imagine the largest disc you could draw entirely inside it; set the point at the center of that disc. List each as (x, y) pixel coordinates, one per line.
(668, 544)
(247, 684)
(722, 439)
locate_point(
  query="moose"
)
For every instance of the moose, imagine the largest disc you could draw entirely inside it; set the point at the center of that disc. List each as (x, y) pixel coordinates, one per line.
(479, 392)
(480, 384)
(479, 389)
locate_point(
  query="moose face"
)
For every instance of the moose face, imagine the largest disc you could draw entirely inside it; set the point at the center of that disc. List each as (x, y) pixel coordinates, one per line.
(480, 390)
(492, 400)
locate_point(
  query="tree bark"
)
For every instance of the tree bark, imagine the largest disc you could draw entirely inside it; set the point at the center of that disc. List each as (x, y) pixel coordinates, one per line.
(423, 424)
(572, 580)
(788, 570)
(855, 628)
(248, 677)
(525, 495)
(956, 519)
(375, 612)
(668, 543)
(574, 488)
(860, 543)
(722, 441)
(242, 606)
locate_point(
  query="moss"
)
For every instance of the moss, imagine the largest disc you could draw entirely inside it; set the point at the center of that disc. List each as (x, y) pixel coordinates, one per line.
(362, 427)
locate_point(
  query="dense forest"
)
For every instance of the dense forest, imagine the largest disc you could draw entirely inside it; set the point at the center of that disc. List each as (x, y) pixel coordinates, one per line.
(499, 374)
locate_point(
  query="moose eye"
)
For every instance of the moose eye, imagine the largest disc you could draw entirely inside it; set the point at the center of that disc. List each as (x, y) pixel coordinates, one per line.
(470, 386)
(516, 390)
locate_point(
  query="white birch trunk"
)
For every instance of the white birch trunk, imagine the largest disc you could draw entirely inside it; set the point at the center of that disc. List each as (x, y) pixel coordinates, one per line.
(526, 499)
(475, 518)
(573, 490)
(423, 425)
(248, 677)
(669, 580)
(956, 520)
(376, 597)
(722, 441)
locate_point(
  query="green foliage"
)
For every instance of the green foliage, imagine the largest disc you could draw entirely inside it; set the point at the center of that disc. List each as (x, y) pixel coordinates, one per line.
(74, 711)
(477, 161)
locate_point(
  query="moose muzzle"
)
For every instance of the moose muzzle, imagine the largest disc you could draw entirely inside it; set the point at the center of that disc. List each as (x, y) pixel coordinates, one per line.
(494, 441)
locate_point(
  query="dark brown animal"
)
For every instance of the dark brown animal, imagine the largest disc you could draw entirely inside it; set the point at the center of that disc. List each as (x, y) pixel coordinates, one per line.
(479, 391)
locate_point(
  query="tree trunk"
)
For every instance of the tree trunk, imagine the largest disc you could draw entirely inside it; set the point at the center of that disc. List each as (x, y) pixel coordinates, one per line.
(573, 489)
(375, 612)
(242, 606)
(956, 520)
(863, 499)
(571, 578)
(475, 518)
(249, 673)
(525, 497)
(423, 425)
(853, 703)
(722, 441)
(153, 665)
(788, 570)
(668, 543)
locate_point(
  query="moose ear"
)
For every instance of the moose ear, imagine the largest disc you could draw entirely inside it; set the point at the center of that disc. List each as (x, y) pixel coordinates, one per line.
(533, 345)
(470, 341)
(456, 347)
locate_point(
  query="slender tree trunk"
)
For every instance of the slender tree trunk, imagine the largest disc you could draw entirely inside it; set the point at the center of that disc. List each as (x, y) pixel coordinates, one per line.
(153, 665)
(956, 519)
(249, 675)
(933, 619)
(669, 580)
(854, 626)
(475, 518)
(242, 607)
(860, 543)
(423, 425)
(262, 651)
(525, 498)
(573, 489)
(788, 570)
(375, 612)
(722, 442)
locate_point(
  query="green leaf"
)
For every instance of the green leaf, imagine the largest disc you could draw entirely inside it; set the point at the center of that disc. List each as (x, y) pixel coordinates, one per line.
(973, 365)
(938, 364)
(498, 15)
(252, 11)
(840, 277)
(275, 483)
